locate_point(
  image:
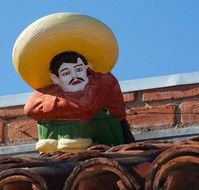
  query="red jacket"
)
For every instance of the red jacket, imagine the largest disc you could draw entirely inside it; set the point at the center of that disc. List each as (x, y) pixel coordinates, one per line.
(52, 103)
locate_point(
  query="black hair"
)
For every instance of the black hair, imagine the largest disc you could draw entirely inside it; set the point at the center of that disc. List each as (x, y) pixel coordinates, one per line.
(67, 57)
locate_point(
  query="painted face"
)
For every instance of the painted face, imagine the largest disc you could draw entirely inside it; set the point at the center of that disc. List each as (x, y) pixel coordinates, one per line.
(72, 76)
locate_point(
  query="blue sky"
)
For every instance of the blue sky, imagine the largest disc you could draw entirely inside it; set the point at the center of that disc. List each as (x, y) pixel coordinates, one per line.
(155, 37)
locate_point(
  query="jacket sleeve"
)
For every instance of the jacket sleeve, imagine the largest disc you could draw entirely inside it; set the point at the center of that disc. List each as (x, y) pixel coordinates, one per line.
(116, 106)
(51, 104)
(37, 107)
(114, 99)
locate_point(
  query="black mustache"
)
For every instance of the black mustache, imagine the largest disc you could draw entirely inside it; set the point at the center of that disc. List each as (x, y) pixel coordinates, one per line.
(75, 79)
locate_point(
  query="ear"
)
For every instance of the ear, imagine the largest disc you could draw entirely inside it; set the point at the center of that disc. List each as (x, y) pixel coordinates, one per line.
(54, 78)
(89, 66)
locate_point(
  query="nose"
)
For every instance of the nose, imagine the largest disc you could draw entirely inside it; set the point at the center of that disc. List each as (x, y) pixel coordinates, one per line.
(73, 73)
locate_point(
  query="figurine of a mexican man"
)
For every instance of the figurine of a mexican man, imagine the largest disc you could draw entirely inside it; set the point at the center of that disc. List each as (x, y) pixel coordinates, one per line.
(77, 102)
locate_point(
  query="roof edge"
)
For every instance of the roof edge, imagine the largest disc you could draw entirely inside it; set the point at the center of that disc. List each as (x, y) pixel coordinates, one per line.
(159, 82)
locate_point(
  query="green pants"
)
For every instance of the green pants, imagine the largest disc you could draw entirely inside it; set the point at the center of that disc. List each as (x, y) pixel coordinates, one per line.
(102, 129)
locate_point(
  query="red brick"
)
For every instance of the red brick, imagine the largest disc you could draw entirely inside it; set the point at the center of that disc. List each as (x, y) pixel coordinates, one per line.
(21, 130)
(2, 125)
(129, 97)
(177, 92)
(163, 115)
(190, 112)
(11, 112)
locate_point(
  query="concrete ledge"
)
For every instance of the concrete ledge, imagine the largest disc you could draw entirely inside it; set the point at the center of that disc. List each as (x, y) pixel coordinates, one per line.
(159, 82)
(14, 100)
(169, 134)
(23, 149)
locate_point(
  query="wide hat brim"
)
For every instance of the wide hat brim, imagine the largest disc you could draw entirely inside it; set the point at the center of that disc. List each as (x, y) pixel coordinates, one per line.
(57, 33)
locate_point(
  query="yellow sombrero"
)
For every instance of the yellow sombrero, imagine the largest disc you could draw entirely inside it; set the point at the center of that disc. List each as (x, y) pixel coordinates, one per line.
(60, 32)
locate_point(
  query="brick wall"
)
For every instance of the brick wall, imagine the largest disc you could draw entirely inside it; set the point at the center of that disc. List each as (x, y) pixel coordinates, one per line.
(15, 127)
(163, 108)
(147, 110)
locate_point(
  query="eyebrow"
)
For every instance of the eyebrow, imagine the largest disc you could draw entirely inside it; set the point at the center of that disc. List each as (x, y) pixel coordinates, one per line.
(64, 69)
(78, 65)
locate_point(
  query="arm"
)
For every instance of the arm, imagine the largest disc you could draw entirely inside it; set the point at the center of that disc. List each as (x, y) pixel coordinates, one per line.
(116, 106)
(37, 107)
(52, 103)
(114, 98)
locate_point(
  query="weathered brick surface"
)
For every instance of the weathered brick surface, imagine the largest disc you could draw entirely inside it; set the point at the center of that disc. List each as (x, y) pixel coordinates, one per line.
(1, 130)
(11, 112)
(174, 93)
(21, 130)
(129, 97)
(152, 116)
(190, 112)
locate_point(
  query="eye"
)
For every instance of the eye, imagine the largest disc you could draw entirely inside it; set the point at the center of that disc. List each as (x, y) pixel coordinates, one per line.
(79, 69)
(66, 73)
